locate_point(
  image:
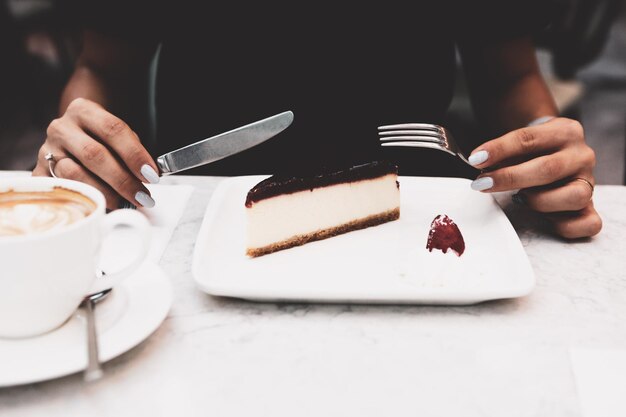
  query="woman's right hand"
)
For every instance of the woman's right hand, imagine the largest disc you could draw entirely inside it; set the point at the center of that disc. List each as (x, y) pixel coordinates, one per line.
(93, 146)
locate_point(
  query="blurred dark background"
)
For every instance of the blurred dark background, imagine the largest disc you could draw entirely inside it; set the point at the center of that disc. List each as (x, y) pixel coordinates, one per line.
(582, 55)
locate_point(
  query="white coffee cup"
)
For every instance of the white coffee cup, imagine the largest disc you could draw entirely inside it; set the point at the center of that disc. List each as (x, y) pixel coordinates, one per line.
(45, 276)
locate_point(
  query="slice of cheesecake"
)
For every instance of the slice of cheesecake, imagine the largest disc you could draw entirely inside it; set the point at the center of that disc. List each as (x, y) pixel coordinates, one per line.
(287, 211)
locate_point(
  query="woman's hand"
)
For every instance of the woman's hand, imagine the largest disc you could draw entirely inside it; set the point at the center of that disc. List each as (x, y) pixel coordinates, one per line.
(552, 166)
(93, 146)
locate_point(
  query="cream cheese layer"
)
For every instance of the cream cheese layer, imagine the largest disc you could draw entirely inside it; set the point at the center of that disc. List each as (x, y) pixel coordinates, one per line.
(279, 218)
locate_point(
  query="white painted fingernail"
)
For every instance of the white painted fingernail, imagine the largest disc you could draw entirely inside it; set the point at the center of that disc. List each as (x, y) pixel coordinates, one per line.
(482, 184)
(144, 199)
(478, 158)
(150, 174)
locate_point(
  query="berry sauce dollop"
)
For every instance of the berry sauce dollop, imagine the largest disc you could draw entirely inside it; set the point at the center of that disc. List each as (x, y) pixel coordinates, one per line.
(445, 234)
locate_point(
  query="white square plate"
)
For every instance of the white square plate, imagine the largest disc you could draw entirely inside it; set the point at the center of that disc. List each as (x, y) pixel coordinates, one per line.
(386, 264)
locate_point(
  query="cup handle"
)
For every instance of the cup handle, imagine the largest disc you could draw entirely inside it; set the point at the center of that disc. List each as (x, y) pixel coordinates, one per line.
(111, 222)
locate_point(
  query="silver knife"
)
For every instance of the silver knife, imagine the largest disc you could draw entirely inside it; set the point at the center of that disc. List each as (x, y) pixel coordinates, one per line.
(225, 144)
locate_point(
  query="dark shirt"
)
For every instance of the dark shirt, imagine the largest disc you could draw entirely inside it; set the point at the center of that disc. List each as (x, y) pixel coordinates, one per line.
(342, 69)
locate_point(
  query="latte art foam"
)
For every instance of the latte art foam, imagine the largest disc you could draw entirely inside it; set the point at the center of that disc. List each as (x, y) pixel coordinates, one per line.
(30, 212)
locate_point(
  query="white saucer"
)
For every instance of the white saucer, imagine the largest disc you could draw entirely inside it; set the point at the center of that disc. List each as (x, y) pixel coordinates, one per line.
(125, 318)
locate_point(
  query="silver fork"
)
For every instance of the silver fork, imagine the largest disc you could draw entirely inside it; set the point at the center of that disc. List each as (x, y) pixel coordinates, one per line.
(420, 135)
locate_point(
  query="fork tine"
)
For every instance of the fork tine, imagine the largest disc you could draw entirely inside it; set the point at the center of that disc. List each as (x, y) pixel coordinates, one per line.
(427, 126)
(415, 144)
(420, 135)
(404, 139)
(410, 132)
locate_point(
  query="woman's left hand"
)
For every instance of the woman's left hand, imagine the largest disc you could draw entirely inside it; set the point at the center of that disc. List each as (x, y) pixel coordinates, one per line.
(552, 166)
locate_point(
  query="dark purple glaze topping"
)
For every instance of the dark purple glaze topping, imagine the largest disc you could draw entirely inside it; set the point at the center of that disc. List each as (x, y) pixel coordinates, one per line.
(307, 180)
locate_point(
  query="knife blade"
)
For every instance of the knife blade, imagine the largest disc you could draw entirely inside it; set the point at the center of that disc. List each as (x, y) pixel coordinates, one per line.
(225, 144)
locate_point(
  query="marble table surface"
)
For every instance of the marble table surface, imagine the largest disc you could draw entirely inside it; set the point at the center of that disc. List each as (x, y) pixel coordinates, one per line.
(227, 357)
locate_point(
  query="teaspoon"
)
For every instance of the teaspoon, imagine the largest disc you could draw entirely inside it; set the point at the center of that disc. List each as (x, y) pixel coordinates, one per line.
(93, 370)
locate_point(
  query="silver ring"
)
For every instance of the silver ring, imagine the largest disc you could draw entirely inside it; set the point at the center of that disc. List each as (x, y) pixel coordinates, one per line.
(51, 163)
